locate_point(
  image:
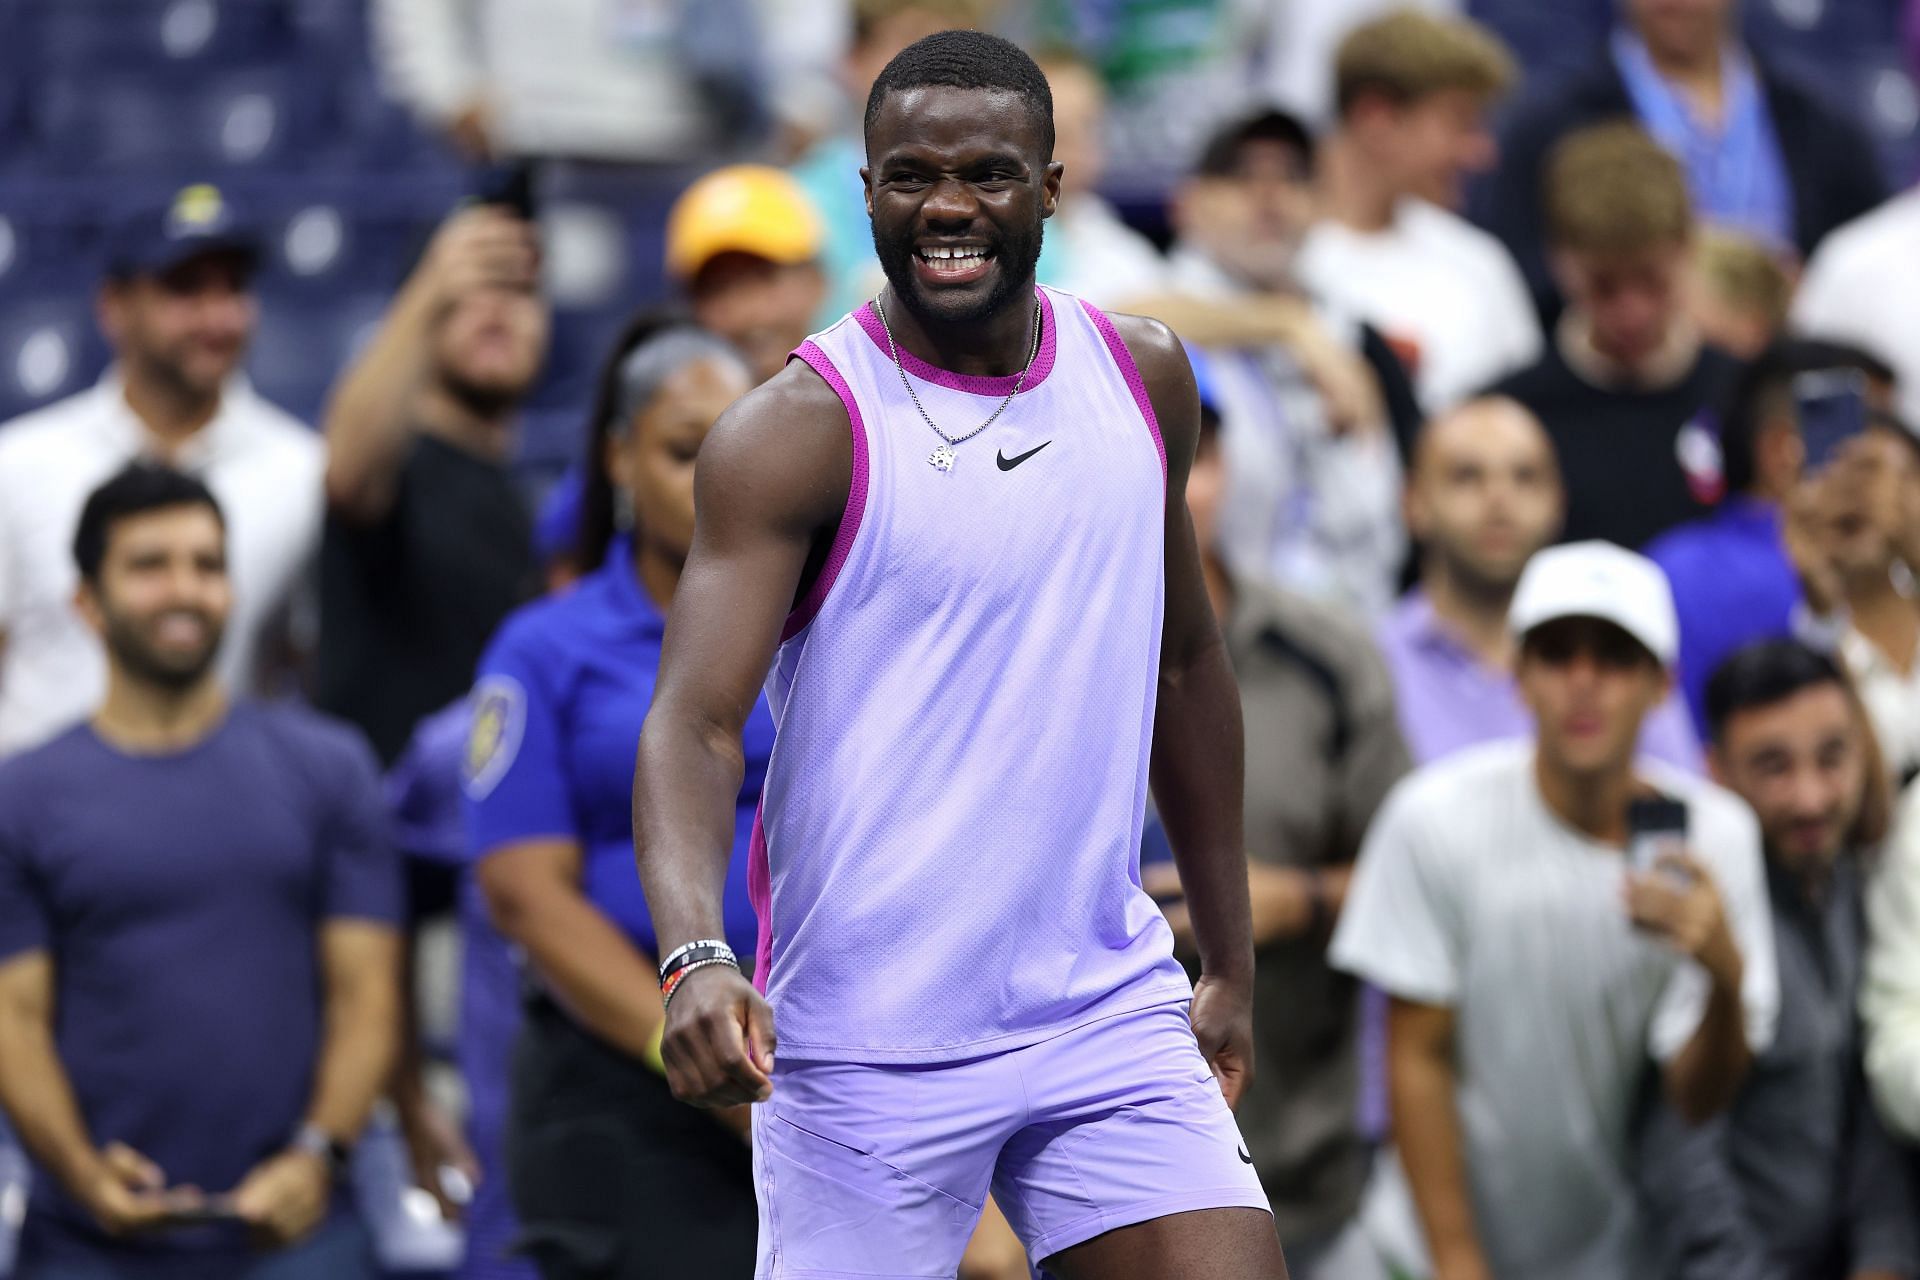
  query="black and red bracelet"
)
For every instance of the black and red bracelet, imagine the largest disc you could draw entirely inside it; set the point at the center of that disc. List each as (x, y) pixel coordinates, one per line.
(672, 984)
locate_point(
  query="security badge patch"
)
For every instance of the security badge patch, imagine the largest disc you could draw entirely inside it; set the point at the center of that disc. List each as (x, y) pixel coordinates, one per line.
(499, 721)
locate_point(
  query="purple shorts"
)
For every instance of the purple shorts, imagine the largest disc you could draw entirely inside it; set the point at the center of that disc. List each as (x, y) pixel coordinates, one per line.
(880, 1171)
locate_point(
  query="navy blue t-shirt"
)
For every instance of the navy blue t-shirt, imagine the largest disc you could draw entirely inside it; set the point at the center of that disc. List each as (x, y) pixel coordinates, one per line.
(557, 711)
(180, 897)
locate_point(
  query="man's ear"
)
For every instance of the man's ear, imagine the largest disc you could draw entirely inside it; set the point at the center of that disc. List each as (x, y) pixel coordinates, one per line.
(866, 188)
(86, 601)
(1050, 188)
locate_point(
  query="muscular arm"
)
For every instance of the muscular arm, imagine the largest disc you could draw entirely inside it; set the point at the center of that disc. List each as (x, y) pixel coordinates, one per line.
(1197, 739)
(772, 482)
(1426, 1129)
(533, 893)
(33, 1084)
(360, 966)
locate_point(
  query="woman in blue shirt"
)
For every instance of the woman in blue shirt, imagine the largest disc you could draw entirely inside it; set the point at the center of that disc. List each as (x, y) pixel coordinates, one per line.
(612, 1178)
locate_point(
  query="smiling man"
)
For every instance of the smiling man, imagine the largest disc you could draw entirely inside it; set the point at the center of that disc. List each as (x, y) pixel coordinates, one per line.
(955, 529)
(1799, 1181)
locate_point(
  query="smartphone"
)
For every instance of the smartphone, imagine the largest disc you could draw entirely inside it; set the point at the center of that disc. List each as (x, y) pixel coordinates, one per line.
(511, 186)
(218, 1209)
(1656, 825)
(1832, 407)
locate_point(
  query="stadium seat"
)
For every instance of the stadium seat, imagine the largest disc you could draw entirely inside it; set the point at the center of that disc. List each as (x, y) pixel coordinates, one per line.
(305, 338)
(49, 348)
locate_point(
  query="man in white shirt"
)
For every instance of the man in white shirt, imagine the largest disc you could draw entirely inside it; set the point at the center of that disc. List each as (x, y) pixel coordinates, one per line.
(178, 312)
(1863, 288)
(1304, 393)
(1414, 90)
(1535, 970)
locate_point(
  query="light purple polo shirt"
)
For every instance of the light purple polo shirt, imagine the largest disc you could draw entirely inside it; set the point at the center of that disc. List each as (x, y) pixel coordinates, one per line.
(1449, 699)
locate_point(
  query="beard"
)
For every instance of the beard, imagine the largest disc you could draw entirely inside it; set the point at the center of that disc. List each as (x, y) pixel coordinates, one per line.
(482, 399)
(1014, 256)
(127, 641)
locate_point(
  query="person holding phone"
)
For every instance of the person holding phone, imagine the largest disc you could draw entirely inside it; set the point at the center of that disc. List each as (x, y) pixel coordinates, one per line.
(198, 943)
(1733, 572)
(1799, 1181)
(1853, 534)
(1535, 974)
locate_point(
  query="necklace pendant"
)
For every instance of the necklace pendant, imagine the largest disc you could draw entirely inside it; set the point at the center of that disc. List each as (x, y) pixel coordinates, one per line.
(941, 459)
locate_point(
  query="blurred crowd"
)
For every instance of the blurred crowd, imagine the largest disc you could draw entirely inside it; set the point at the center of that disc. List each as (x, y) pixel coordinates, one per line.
(1559, 496)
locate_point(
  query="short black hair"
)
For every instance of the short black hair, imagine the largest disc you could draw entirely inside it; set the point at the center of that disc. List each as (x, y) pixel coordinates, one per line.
(139, 488)
(1764, 673)
(1765, 388)
(967, 60)
(1220, 158)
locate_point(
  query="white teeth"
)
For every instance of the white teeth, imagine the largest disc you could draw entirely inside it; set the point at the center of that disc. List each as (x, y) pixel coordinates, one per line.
(944, 254)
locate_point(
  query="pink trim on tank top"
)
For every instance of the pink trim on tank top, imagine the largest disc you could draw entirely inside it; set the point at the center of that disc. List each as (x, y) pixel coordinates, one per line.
(1117, 348)
(760, 893)
(809, 605)
(971, 383)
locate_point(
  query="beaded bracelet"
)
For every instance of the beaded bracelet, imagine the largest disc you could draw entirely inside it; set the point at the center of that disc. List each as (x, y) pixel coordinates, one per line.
(672, 984)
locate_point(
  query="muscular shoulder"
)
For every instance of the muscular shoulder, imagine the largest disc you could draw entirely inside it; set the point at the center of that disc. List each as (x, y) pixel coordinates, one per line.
(783, 450)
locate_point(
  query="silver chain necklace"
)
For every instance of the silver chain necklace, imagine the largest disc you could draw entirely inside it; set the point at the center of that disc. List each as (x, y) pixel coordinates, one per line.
(941, 459)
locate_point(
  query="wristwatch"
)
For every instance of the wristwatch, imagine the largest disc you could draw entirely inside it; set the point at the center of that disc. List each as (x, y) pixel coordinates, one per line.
(315, 1141)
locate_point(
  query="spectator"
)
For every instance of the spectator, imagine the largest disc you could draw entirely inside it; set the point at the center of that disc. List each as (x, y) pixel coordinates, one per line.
(1890, 996)
(1761, 154)
(1732, 573)
(611, 1176)
(423, 792)
(1312, 469)
(1414, 90)
(1798, 1180)
(198, 1001)
(1483, 499)
(1740, 294)
(428, 541)
(1094, 255)
(744, 242)
(830, 171)
(1626, 375)
(1492, 902)
(652, 84)
(178, 310)
(1319, 715)
(1855, 539)
(1863, 288)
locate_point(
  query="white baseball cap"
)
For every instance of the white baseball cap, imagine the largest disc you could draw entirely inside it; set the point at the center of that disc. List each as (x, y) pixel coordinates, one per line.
(1598, 580)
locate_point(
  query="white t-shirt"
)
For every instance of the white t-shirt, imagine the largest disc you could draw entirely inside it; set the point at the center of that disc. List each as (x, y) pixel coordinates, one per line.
(1471, 894)
(1100, 257)
(1443, 292)
(266, 470)
(1892, 699)
(1863, 288)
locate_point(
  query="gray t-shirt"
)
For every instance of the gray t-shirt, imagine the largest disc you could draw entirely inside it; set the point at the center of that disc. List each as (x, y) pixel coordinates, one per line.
(1470, 893)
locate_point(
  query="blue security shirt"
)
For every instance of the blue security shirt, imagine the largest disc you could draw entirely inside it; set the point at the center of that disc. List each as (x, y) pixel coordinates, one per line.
(181, 896)
(430, 824)
(557, 710)
(1732, 584)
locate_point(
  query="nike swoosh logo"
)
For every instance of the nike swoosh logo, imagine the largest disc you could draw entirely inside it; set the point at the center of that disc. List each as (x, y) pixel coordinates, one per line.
(1242, 1153)
(1008, 464)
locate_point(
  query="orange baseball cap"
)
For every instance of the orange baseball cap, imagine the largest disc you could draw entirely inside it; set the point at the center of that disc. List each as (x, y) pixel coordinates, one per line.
(743, 208)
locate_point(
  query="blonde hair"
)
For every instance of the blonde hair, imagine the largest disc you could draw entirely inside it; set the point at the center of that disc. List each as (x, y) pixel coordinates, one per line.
(1612, 189)
(1740, 272)
(1409, 55)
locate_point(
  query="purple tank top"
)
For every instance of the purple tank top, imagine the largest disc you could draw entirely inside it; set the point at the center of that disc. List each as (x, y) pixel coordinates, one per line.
(947, 858)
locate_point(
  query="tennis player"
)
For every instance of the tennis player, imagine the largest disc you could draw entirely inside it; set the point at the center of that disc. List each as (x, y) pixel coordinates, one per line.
(954, 528)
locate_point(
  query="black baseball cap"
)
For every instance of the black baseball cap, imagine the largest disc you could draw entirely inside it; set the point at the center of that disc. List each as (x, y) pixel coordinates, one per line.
(1221, 156)
(199, 220)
